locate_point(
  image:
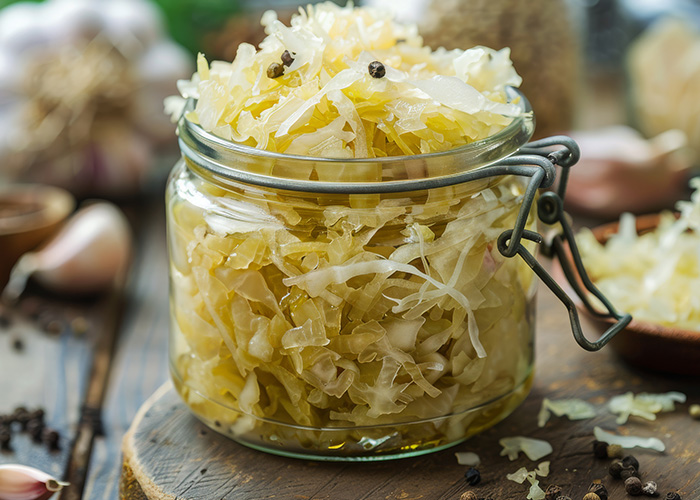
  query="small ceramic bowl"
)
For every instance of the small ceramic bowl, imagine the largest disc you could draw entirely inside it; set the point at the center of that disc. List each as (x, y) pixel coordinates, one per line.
(29, 213)
(648, 345)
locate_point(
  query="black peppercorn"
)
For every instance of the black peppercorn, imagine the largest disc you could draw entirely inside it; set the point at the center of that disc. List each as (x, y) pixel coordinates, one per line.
(275, 70)
(5, 439)
(376, 69)
(21, 416)
(615, 469)
(17, 344)
(35, 429)
(287, 58)
(600, 449)
(650, 489)
(673, 495)
(600, 490)
(472, 476)
(628, 472)
(37, 414)
(563, 497)
(553, 492)
(52, 439)
(630, 460)
(633, 486)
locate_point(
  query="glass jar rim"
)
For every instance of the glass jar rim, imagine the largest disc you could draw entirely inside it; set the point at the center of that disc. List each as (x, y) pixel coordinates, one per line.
(227, 160)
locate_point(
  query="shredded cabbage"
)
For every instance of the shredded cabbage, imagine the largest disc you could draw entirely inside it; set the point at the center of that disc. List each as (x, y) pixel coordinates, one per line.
(535, 493)
(629, 441)
(533, 448)
(468, 458)
(519, 476)
(326, 103)
(574, 409)
(643, 405)
(654, 276)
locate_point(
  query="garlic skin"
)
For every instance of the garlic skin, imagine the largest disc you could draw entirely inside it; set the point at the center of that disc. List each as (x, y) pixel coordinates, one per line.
(19, 482)
(621, 171)
(89, 254)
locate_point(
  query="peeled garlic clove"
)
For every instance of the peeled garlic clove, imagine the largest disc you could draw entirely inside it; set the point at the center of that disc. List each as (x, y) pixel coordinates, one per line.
(19, 482)
(87, 255)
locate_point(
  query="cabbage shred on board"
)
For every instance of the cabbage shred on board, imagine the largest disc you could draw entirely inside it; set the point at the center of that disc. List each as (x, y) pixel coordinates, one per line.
(311, 320)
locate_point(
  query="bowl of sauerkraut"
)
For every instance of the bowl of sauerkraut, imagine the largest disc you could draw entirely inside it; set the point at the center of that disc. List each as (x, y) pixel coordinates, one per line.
(649, 265)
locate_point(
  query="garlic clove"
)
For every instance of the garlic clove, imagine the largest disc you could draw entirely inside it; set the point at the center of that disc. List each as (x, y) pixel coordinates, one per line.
(19, 482)
(90, 253)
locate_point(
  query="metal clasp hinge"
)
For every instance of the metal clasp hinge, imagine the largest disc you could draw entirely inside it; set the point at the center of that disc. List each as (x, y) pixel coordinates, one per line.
(550, 209)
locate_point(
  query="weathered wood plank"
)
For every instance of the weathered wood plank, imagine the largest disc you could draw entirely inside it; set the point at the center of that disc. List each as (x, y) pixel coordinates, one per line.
(140, 365)
(67, 374)
(168, 449)
(50, 371)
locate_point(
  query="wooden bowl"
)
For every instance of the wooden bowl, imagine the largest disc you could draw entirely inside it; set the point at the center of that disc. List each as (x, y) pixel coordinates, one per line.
(648, 345)
(29, 213)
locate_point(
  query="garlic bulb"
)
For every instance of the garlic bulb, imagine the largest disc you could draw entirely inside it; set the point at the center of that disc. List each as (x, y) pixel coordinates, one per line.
(73, 71)
(19, 482)
(87, 255)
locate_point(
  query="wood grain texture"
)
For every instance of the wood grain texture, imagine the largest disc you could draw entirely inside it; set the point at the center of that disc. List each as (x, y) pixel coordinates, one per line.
(68, 372)
(172, 455)
(140, 363)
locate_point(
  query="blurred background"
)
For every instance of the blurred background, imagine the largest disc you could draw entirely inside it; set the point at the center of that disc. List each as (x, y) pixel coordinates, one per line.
(82, 84)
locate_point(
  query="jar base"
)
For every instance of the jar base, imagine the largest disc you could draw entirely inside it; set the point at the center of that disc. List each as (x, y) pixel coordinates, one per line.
(360, 444)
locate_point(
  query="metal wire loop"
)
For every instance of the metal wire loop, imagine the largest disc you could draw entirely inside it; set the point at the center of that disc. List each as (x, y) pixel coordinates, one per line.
(550, 210)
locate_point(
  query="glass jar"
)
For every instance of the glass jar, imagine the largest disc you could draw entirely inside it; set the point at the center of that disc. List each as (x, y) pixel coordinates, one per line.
(314, 316)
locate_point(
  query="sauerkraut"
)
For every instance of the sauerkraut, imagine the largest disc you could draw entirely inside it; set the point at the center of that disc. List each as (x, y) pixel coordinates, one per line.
(326, 103)
(349, 325)
(661, 267)
(326, 317)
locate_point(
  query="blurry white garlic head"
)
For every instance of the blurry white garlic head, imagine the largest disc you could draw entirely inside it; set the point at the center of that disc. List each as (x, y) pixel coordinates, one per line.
(81, 87)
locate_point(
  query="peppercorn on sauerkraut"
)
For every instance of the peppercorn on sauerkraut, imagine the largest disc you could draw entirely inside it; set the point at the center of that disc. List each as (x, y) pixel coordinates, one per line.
(347, 325)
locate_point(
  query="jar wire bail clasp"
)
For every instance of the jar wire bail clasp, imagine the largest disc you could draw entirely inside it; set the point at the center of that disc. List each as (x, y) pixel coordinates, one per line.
(538, 160)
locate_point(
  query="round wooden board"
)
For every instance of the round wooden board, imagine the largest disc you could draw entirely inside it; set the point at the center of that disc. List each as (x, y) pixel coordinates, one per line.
(169, 454)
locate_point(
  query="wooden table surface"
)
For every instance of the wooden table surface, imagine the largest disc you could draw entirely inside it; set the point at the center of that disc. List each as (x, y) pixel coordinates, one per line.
(122, 359)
